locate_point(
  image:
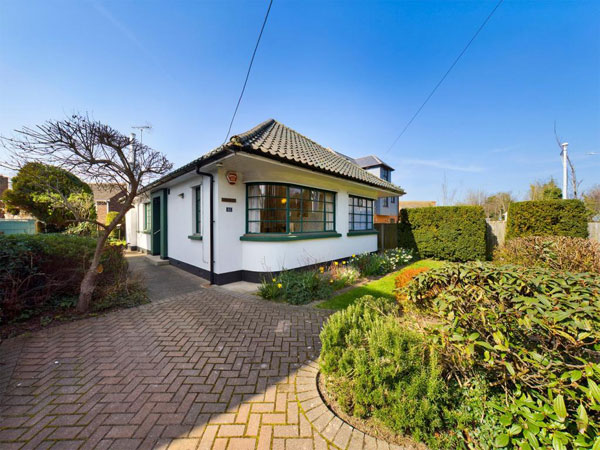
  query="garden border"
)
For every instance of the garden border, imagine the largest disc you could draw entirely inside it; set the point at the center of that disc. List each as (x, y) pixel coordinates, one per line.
(326, 423)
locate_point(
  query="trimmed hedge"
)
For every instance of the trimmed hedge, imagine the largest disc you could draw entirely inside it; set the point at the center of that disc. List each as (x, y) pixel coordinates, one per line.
(454, 233)
(547, 218)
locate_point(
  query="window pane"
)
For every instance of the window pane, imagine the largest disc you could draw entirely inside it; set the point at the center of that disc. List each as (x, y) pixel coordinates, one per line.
(313, 226)
(272, 227)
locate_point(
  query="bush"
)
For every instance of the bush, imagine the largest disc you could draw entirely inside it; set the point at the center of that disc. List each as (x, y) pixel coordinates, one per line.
(297, 287)
(407, 275)
(547, 218)
(553, 252)
(374, 264)
(37, 271)
(377, 369)
(532, 334)
(454, 233)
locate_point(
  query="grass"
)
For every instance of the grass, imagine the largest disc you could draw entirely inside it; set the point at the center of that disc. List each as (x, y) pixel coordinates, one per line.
(382, 287)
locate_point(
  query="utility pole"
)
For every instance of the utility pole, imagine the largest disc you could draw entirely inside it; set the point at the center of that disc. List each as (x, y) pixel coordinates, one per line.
(565, 193)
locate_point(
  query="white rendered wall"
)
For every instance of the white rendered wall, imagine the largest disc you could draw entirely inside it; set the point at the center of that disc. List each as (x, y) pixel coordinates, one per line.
(234, 254)
(180, 216)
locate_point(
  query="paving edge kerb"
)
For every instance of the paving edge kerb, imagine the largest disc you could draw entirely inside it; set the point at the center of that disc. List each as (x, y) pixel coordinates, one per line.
(327, 424)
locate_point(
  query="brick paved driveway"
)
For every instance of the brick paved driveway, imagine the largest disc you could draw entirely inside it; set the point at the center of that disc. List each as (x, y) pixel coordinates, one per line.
(201, 369)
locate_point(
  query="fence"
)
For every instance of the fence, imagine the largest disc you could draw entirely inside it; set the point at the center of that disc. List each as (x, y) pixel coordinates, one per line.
(17, 226)
(387, 235)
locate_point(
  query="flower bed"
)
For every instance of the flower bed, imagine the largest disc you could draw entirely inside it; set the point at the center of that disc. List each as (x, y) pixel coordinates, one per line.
(303, 286)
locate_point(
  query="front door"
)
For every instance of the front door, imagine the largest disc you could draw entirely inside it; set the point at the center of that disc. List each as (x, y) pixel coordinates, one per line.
(156, 226)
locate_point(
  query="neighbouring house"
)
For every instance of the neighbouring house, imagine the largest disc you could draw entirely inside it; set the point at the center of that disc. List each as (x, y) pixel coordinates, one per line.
(386, 209)
(267, 200)
(107, 197)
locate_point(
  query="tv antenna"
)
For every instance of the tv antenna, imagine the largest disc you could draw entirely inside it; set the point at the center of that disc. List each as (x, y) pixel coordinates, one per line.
(141, 128)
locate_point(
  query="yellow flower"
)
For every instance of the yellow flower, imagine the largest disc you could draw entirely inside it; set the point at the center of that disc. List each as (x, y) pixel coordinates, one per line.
(279, 285)
(335, 263)
(274, 280)
(354, 256)
(331, 281)
(343, 262)
(322, 269)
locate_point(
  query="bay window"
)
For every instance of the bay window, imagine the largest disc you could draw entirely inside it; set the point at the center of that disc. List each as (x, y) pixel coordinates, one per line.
(289, 209)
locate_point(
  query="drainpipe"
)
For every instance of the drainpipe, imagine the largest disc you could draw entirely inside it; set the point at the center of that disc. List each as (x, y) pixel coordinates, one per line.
(212, 223)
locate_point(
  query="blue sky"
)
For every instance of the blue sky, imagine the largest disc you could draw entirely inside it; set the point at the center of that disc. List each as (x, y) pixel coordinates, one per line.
(348, 74)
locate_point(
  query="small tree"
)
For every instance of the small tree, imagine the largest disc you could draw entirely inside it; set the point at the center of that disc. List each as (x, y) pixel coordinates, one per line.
(30, 193)
(591, 198)
(95, 152)
(545, 191)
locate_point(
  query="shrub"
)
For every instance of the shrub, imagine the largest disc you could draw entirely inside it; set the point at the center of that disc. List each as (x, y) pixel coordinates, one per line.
(297, 286)
(553, 252)
(547, 218)
(373, 264)
(377, 369)
(36, 271)
(533, 334)
(407, 275)
(454, 233)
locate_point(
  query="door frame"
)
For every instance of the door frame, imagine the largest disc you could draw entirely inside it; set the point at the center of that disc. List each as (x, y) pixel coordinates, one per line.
(161, 195)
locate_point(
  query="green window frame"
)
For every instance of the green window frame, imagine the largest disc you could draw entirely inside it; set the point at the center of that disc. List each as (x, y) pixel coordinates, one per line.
(147, 216)
(360, 213)
(280, 208)
(198, 210)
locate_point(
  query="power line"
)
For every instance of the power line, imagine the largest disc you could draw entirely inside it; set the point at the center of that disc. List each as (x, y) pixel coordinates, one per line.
(248, 73)
(446, 74)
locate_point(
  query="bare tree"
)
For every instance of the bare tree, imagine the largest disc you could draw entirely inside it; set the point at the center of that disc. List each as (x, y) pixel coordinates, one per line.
(475, 197)
(448, 195)
(96, 153)
(574, 184)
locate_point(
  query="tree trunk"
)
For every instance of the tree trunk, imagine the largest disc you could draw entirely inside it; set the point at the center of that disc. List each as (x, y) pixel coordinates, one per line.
(90, 279)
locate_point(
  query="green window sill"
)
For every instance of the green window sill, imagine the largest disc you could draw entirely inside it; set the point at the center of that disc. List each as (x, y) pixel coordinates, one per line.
(195, 237)
(288, 237)
(361, 232)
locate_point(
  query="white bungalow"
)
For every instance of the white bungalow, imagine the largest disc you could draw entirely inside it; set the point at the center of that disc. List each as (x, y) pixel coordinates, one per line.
(269, 199)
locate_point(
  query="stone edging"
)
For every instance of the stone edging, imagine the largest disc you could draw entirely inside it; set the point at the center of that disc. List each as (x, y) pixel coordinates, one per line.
(335, 431)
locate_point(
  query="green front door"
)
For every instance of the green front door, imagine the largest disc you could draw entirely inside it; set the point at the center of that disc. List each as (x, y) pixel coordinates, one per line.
(159, 223)
(156, 226)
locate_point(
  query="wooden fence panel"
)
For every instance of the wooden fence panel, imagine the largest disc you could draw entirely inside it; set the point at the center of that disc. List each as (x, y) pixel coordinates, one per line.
(387, 235)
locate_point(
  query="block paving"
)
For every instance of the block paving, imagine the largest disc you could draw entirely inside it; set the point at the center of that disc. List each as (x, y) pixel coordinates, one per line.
(203, 370)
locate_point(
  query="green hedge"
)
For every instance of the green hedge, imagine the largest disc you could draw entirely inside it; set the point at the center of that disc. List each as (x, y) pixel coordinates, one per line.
(454, 233)
(547, 218)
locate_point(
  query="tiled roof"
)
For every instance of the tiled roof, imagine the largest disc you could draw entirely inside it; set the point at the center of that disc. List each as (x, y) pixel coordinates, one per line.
(371, 161)
(274, 140)
(106, 191)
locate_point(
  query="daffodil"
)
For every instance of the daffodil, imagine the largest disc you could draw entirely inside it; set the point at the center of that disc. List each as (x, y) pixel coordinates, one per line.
(354, 256)
(335, 263)
(344, 262)
(322, 269)
(274, 280)
(279, 285)
(331, 281)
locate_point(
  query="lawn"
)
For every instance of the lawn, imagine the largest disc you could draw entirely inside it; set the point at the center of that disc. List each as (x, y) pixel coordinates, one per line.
(382, 287)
